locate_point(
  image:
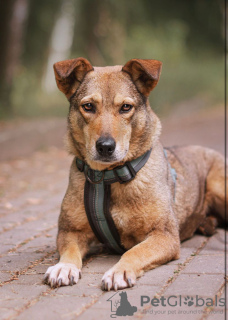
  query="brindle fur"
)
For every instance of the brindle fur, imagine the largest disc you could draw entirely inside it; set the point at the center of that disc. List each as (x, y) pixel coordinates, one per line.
(151, 225)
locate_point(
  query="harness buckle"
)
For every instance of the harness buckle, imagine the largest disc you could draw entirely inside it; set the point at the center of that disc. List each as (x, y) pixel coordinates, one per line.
(131, 170)
(90, 180)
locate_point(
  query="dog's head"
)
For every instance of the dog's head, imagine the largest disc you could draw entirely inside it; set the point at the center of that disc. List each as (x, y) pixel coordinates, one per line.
(110, 120)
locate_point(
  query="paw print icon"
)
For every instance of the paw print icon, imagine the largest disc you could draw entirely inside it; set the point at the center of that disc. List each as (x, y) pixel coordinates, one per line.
(188, 301)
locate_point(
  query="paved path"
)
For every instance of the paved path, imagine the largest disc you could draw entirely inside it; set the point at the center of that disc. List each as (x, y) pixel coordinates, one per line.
(31, 192)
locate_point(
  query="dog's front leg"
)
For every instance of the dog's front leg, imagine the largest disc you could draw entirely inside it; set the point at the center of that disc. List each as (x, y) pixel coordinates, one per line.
(72, 246)
(159, 248)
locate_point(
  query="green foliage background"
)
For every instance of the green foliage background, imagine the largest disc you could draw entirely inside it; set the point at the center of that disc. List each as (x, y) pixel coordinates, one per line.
(187, 36)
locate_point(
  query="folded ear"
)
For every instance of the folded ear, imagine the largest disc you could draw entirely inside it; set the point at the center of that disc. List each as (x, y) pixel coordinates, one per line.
(70, 73)
(144, 73)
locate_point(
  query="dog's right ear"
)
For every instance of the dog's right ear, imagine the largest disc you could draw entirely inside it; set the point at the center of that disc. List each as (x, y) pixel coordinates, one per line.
(70, 73)
(145, 73)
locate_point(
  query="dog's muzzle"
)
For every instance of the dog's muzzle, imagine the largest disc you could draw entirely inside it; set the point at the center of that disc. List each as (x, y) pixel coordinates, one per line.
(105, 146)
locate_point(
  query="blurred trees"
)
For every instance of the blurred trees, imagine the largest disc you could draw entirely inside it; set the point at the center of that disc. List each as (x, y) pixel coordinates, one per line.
(25, 28)
(13, 14)
(40, 22)
(105, 32)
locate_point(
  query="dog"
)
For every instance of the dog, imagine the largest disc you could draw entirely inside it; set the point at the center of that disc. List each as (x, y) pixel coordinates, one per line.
(174, 193)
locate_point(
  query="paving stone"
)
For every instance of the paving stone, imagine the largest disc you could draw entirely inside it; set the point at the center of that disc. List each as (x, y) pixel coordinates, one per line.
(4, 276)
(6, 313)
(134, 296)
(216, 243)
(41, 268)
(90, 284)
(12, 262)
(18, 261)
(205, 285)
(181, 310)
(173, 313)
(94, 314)
(47, 245)
(101, 264)
(202, 264)
(21, 200)
(6, 225)
(6, 247)
(45, 242)
(184, 254)
(24, 207)
(53, 307)
(157, 276)
(223, 295)
(30, 279)
(28, 212)
(217, 314)
(25, 262)
(14, 297)
(194, 242)
(10, 239)
(219, 311)
(23, 236)
(102, 308)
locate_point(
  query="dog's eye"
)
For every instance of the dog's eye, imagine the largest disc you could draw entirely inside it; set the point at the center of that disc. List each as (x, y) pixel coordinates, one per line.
(88, 107)
(126, 108)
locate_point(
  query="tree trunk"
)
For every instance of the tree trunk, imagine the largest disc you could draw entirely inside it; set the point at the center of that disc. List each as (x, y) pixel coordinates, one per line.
(13, 14)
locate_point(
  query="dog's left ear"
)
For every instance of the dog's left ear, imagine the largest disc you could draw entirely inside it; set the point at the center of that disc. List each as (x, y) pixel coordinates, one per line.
(144, 73)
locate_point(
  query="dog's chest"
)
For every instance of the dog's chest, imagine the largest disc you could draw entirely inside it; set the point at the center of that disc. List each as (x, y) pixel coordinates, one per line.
(131, 214)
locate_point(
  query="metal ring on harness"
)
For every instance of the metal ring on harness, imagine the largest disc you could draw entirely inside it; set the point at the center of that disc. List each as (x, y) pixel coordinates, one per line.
(91, 181)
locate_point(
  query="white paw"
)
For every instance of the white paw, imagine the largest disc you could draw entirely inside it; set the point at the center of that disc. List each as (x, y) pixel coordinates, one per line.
(62, 274)
(118, 278)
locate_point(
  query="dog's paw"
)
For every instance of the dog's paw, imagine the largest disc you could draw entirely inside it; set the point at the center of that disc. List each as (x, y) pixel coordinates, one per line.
(62, 274)
(117, 278)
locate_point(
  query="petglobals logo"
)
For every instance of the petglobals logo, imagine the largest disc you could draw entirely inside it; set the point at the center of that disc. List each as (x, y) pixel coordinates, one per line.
(174, 301)
(120, 306)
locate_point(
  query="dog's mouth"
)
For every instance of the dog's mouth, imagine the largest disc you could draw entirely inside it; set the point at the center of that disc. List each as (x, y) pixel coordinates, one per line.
(102, 160)
(107, 151)
(109, 159)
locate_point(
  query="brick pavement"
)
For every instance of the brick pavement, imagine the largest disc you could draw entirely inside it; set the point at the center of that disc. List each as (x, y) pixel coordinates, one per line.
(31, 192)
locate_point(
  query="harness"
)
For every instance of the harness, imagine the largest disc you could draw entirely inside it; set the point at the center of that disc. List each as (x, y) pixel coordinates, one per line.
(97, 195)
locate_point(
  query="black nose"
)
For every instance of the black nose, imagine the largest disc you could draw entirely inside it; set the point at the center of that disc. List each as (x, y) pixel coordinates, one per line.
(105, 146)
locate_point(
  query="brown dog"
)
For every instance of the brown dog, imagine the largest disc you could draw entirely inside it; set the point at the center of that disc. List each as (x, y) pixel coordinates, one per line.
(111, 123)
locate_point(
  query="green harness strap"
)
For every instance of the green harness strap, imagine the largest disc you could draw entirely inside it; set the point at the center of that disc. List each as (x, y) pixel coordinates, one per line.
(97, 194)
